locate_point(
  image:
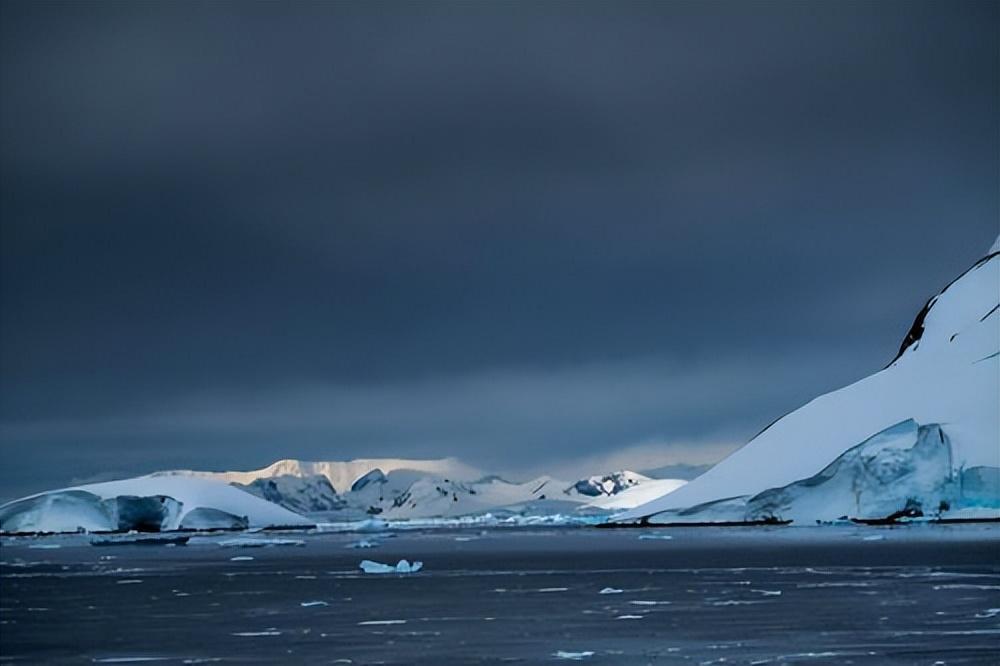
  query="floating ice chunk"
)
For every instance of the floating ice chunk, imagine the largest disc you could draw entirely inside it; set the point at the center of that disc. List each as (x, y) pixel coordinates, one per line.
(553, 589)
(241, 558)
(256, 633)
(873, 537)
(129, 581)
(380, 622)
(363, 543)
(127, 660)
(250, 542)
(575, 656)
(649, 537)
(403, 566)
(629, 617)
(641, 602)
(310, 604)
(610, 590)
(44, 546)
(988, 613)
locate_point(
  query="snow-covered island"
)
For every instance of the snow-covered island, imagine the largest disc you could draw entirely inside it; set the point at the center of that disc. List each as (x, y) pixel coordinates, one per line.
(918, 439)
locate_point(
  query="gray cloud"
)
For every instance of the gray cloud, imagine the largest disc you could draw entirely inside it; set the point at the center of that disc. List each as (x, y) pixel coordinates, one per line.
(235, 232)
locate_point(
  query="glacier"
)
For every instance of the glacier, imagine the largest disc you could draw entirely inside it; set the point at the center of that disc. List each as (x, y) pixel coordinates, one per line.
(930, 419)
(146, 503)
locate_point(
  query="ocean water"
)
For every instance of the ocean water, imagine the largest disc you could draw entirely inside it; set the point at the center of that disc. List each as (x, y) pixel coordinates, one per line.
(832, 595)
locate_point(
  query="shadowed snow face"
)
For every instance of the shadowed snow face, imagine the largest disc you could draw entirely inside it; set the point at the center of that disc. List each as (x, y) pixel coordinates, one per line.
(510, 234)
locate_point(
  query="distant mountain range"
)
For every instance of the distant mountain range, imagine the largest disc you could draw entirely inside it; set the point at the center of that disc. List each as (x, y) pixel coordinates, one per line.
(292, 492)
(404, 489)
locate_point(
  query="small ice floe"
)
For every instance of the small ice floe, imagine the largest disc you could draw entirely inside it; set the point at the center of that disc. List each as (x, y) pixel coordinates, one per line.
(552, 589)
(363, 543)
(253, 634)
(241, 558)
(465, 538)
(629, 617)
(312, 604)
(126, 660)
(248, 542)
(369, 623)
(651, 537)
(768, 593)
(611, 590)
(44, 546)
(641, 602)
(403, 566)
(735, 602)
(575, 656)
(129, 581)
(988, 613)
(873, 537)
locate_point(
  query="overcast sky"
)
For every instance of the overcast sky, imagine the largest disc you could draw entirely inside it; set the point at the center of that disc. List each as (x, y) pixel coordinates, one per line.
(536, 236)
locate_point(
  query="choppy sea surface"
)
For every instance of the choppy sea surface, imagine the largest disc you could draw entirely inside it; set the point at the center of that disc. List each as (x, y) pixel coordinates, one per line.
(832, 595)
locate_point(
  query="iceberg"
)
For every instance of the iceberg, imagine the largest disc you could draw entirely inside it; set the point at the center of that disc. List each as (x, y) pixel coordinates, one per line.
(149, 503)
(403, 566)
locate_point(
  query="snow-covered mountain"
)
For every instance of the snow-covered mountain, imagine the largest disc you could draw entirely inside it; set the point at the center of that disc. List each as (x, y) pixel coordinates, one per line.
(609, 484)
(922, 434)
(282, 493)
(302, 494)
(342, 475)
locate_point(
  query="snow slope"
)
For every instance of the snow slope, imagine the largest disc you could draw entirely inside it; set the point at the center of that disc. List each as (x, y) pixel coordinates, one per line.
(145, 502)
(946, 374)
(637, 495)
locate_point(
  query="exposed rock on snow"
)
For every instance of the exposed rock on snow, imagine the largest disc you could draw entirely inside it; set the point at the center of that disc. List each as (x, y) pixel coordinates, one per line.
(946, 373)
(374, 476)
(637, 495)
(609, 484)
(302, 494)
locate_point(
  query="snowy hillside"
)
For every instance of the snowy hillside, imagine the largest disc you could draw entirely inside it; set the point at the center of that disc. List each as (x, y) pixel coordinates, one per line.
(936, 401)
(636, 495)
(145, 503)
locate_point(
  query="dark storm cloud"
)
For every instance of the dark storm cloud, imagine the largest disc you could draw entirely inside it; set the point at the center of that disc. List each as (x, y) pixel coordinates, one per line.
(234, 232)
